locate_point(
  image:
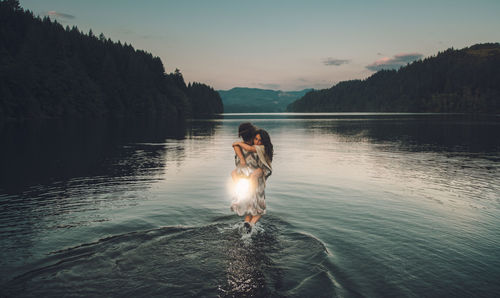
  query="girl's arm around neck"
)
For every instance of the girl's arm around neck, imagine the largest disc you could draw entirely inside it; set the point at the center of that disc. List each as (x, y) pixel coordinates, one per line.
(245, 146)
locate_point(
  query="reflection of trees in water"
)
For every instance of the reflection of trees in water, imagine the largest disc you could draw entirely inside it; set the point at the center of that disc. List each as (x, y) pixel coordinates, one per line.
(72, 156)
(39, 153)
(417, 133)
(120, 152)
(202, 128)
(410, 132)
(52, 170)
(199, 132)
(449, 159)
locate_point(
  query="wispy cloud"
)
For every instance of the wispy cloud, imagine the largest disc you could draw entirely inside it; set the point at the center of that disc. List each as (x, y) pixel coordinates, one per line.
(335, 62)
(57, 14)
(395, 62)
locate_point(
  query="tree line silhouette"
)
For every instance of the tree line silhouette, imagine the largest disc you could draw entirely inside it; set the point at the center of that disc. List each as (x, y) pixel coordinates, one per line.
(48, 71)
(463, 81)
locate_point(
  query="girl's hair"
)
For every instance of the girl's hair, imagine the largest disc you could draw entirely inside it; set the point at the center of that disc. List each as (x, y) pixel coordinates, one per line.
(266, 141)
(246, 131)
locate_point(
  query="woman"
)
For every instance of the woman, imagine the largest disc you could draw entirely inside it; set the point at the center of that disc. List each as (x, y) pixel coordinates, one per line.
(246, 162)
(258, 159)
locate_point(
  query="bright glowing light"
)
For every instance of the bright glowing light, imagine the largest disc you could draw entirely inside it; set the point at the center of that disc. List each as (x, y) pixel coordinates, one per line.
(242, 188)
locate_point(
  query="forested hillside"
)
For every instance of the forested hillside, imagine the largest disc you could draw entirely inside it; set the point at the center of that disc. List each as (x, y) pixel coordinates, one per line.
(47, 71)
(253, 100)
(466, 80)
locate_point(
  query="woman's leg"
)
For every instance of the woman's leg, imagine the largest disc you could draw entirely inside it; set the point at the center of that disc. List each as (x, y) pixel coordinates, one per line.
(254, 178)
(254, 183)
(255, 219)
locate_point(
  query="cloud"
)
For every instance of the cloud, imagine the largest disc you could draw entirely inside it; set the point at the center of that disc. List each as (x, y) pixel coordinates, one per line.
(335, 62)
(269, 86)
(56, 14)
(395, 62)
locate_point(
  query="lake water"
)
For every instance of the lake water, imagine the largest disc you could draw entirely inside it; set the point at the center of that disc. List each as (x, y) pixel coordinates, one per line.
(359, 205)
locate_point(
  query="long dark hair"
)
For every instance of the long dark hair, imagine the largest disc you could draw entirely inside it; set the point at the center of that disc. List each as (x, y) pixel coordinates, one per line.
(266, 141)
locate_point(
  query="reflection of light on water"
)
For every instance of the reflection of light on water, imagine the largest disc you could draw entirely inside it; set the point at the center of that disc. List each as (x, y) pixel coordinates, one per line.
(245, 260)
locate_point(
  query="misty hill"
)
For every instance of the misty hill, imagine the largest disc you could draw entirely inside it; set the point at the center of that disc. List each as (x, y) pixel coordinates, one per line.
(47, 71)
(466, 80)
(253, 100)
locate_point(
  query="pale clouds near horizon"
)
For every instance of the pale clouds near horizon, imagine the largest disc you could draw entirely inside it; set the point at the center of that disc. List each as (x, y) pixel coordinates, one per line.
(395, 62)
(53, 13)
(335, 62)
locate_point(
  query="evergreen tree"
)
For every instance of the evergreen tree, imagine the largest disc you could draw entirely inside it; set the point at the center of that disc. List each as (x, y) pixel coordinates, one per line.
(47, 71)
(466, 80)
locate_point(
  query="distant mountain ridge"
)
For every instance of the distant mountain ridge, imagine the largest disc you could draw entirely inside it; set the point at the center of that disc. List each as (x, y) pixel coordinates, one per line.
(453, 81)
(254, 100)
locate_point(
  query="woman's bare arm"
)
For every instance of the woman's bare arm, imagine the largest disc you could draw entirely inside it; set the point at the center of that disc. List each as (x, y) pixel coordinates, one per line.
(245, 146)
(237, 150)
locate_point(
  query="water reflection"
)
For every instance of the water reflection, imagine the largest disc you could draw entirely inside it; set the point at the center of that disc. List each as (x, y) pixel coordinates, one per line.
(413, 132)
(210, 260)
(56, 168)
(430, 154)
(38, 153)
(56, 176)
(380, 205)
(247, 260)
(442, 133)
(46, 152)
(437, 157)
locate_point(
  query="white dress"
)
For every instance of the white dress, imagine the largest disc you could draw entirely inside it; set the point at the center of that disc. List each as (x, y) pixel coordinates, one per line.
(252, 202)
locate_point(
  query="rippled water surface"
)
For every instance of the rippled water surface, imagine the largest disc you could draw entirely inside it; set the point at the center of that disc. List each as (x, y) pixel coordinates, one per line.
(373, 205)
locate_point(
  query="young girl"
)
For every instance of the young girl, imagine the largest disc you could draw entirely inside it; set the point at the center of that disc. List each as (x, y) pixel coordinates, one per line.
(259, 164)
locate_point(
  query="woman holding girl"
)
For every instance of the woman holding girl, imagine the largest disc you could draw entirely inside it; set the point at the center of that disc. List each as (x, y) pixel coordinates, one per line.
(253, 160)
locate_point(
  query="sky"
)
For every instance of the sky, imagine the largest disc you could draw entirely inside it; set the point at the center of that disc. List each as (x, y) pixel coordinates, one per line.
(281, 44)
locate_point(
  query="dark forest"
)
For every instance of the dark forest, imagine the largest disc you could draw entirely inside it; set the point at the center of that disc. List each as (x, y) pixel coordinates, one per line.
(453, 81)
(51, 72)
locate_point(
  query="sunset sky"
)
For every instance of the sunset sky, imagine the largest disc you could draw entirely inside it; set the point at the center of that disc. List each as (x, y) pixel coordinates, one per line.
(281, 44)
